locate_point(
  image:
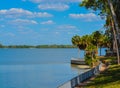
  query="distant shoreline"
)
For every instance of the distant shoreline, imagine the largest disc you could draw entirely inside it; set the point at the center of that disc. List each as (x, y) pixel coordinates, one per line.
(38, 46)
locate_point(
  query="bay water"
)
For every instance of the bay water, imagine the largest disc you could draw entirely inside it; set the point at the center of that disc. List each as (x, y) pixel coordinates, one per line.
(37, 68)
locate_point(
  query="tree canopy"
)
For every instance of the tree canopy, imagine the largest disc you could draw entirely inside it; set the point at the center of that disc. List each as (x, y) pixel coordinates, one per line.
(91, 43)
(110, 10)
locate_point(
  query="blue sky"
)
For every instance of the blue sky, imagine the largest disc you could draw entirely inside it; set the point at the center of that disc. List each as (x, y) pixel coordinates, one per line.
(37, 22)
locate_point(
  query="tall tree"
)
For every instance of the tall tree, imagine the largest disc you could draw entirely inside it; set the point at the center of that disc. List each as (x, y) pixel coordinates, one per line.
(103, 7)
(116, 26)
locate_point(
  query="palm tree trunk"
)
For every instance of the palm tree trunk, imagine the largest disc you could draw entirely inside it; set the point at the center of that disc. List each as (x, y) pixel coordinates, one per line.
(116, 26)
(78, 53)
(93, 64)
(100, 50)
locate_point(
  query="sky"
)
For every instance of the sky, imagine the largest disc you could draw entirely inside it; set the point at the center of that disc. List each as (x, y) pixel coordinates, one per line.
(38, 22)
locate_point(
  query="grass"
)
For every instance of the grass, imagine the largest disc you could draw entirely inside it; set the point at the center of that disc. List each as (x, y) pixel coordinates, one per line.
(108, 79)
(111, 60)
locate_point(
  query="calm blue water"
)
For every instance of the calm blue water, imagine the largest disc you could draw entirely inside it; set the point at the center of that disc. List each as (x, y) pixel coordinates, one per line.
(36, 68)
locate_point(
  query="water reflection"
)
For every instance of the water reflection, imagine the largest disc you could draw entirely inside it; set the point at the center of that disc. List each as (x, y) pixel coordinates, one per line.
(80, 68)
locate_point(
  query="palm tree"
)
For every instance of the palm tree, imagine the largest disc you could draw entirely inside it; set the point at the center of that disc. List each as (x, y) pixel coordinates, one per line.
(86, 39)
(79, 42)
(90, 56)
(76, 40)
(97, 39)
(105, 11)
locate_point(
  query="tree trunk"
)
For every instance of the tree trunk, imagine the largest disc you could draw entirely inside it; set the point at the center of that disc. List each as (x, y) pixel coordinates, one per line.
(78, 53)
(100, 50)
(116, 26)
(114, 42)
(92, 56)
(115, 39)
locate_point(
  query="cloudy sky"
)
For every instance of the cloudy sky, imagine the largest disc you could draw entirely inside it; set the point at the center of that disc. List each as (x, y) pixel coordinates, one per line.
(36, 22)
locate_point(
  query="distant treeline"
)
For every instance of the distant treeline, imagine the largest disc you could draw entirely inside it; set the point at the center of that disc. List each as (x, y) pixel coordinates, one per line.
(37, 46)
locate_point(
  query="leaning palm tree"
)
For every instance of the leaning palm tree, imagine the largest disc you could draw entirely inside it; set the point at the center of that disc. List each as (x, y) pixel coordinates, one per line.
(78, 41)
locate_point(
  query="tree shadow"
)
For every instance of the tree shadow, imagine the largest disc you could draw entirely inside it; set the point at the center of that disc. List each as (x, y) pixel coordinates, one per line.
(107, 77)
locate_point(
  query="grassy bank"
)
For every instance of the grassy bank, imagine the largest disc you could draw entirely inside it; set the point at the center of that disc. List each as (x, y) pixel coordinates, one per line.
(109, 78)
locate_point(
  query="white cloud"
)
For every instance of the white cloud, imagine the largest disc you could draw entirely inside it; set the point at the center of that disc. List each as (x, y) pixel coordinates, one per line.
(22, 22)
(67, 27)
(44, 14)
(54, 1)
(19, 12)
(58, 6)
(86, 17)
(47, 22)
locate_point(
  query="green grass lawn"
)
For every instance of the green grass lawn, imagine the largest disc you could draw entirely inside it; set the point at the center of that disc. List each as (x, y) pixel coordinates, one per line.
(108, 79)
(111, 60)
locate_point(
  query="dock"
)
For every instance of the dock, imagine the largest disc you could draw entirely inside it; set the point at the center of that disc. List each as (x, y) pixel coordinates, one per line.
(78, 61)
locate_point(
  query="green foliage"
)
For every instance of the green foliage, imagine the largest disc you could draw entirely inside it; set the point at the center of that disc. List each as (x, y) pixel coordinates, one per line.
(79, 42)
(91, 43)
(97, 37)
(88, 60)
(102, 7)
(110, 60)
(95, 5)
(91, 58)
(91, 48)
(116, 4)
(76, 40)
(55, 46)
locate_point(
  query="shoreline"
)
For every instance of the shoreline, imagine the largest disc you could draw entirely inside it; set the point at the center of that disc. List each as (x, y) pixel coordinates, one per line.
(86, 82)
(80, 78)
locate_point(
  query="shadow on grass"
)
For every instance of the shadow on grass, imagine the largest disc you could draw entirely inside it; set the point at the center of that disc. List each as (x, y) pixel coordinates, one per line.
(107, 77)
